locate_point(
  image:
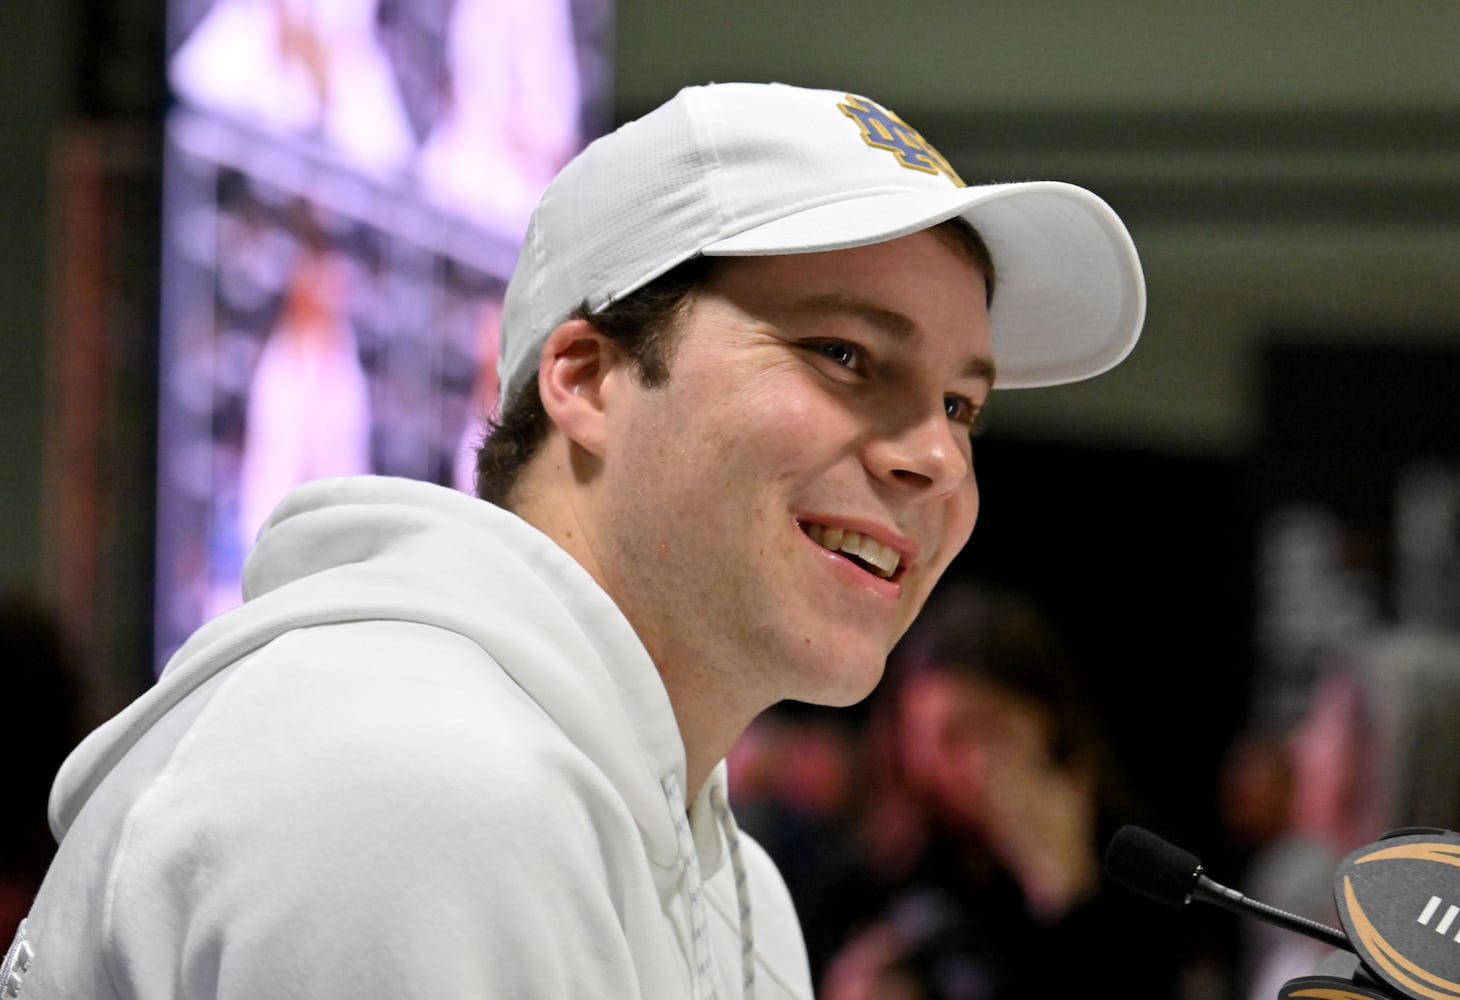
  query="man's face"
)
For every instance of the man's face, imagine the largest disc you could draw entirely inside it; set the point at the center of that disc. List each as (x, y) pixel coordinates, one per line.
(816, 403)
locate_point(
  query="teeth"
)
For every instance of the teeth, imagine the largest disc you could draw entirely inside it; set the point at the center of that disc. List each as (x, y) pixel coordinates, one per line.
(881, 558)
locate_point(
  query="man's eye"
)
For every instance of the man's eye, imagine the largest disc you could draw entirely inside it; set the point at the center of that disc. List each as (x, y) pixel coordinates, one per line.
(842, 353)
(961, 410)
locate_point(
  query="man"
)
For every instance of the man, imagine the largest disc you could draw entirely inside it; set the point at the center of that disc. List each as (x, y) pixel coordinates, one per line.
(450, 748)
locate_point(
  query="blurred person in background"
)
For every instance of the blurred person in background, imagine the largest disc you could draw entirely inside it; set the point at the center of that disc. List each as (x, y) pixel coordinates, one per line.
(980, 869)
(1377, 749)
(1254, 789)
(309, 408)
(315, 68)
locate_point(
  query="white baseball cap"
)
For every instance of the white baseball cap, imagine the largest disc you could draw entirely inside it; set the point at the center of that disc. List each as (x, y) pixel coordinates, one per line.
(750, 169)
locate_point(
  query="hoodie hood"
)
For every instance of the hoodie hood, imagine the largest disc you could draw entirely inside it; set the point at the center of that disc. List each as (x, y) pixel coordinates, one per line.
(380, 548)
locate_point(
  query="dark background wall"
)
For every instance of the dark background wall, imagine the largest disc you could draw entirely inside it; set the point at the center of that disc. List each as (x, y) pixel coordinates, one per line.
(35, 76)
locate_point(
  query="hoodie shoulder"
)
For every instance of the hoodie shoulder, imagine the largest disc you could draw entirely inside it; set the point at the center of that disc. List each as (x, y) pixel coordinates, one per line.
(380, 706)
(349, 816)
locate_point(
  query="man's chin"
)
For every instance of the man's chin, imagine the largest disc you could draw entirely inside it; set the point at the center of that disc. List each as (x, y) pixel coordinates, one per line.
(848, 685)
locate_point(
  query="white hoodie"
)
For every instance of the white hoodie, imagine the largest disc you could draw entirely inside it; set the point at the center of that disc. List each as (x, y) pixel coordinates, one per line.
(427, 757)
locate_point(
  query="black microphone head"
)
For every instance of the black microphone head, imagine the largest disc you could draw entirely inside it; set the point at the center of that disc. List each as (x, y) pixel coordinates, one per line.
(1151, 866)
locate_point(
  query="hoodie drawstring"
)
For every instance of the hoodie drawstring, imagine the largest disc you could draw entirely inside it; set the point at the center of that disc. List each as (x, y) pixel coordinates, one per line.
(699, 922)
(742, 889)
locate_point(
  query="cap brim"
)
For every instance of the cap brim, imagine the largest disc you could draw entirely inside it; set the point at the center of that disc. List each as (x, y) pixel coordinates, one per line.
(1069, 297)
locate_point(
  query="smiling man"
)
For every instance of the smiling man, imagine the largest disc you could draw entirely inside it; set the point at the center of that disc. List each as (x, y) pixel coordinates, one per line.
(795, 485)
(455, 747)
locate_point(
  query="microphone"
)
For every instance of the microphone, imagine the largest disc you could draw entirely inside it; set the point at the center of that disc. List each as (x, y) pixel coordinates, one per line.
(1157, 869)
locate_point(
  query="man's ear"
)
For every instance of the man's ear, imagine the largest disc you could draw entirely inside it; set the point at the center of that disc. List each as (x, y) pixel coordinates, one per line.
(576, 359)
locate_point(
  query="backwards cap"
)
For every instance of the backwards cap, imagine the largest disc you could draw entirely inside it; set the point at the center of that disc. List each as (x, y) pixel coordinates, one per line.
(750, 169)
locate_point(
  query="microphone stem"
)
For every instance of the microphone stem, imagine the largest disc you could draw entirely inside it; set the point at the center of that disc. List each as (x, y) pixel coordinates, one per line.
(1231, 899)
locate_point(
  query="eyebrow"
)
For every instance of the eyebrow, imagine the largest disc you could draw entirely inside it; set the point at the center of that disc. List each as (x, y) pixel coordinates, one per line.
(889, 321)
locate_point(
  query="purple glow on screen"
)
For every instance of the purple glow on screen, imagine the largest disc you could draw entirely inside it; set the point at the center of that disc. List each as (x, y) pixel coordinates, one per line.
(347, 184)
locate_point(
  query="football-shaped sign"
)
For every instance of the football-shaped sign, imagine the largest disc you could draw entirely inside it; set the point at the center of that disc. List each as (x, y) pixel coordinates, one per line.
(1329, 988)
(1399, 901)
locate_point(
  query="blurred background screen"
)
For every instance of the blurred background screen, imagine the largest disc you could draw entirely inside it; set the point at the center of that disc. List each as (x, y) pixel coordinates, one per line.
(346, 183)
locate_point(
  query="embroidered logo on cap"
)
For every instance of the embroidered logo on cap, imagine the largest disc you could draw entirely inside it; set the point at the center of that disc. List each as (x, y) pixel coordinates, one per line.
(884, 130)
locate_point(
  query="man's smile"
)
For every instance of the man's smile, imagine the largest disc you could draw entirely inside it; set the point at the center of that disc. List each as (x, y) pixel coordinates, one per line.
(864, 550)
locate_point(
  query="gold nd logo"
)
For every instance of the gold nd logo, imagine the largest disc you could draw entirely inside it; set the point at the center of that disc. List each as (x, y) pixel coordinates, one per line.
(884, 130)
